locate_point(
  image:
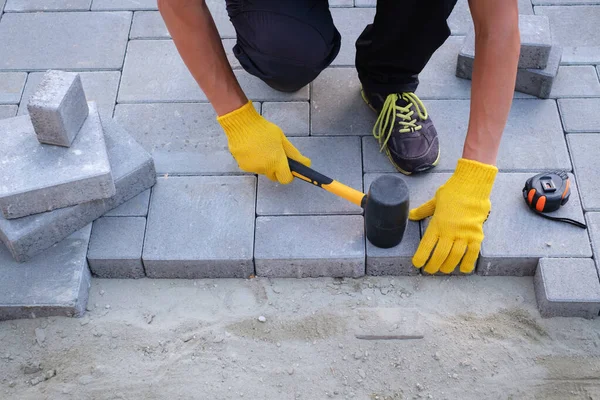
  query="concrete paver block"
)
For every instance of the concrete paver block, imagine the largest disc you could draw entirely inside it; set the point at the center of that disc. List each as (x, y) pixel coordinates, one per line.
(35, 178)
(576, 81)
(310, 246)
(374, 160)
(115, 249)
(7, 111)
(150, 24)
(291, 117)
(136, 207)
(257, 90)
(336, 157)
(533, 237)
(133, 172)
(584, 152)
(11, 87)
(350, 22)
(536, 41)
(70, 40)
(337, 107)
(99, 86)
(47, 5)
(122, 5)
(55, 283)
(201, 227)
(341, 3)
(567, 287)
(580, 115)
(58, 108)
(593, 224)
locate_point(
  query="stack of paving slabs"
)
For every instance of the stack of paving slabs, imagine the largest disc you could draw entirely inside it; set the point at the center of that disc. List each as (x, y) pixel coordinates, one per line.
(538, 61)
(61, 168)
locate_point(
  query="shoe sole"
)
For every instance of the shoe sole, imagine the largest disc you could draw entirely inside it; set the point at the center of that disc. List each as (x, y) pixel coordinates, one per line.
(387, 152)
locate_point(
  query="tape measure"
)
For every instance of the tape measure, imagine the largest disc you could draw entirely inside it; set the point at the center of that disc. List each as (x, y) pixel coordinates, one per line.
(547, 192)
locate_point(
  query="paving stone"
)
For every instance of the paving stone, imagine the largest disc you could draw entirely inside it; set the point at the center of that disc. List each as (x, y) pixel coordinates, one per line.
(584, 153)
(104, 5)
(257, 90)
(580, 115)
(99, 86)
(136, 207)
(38, 178)
(189, 233)
(535, 237)
(115, 249)
(291, 117)
(55, 283)
(7, 111)
(2, 3)
(593, 223)
(133, 172)
(365, 3)
(73, 40)
(11, 87)
(47, 5)
(460, 21)
(563, 2)
(337, 157)
(341, 3)
(567, 287)
(373, 159)
(576, 81)
(536, 41)
(310, 246)
(337, 107)
(575, 29)
(148, 25)
(350, 22)
(58, 108)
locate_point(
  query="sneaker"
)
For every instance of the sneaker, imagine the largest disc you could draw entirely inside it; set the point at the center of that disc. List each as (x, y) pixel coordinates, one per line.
(404, 131)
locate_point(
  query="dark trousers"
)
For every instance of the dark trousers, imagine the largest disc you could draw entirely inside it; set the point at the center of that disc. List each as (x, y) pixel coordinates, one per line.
(287, 43)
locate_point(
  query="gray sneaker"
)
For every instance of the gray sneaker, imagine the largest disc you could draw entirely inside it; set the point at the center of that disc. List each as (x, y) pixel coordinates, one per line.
(405, 131)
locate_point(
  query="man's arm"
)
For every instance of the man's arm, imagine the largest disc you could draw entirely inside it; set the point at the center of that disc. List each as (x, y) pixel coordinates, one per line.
(497, 47)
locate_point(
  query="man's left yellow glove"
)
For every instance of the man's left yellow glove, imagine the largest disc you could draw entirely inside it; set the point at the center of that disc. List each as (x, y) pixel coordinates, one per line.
(459, 209)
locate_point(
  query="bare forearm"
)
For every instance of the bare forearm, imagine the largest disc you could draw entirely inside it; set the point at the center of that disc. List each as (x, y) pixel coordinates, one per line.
(497, 46)
(196, 37)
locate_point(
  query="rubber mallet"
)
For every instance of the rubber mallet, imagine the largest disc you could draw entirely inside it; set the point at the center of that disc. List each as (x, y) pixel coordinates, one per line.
(386, 204)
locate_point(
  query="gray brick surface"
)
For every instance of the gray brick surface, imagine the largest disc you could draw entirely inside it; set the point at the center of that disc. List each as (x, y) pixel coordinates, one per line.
(136, 207)
(567, 287)
(373, 159)
(11, 87)
(133, 172)
(337, 157)
(575, 29)
(576, 81)
(593, 223)
(310, 246)
(58, 108)
(148, 25)
(365, 3)
(37, 178)
(580, 115)
(562, 2)
(534, 237)
(99, 86)
(115, 249)
(7, 111)
(350, 22)
(291, 117)
(47, 5)
(104, 5)
(73, 40)
(341, 3)
(584, 153)
(536, 41)
(55, 283)
(337, 107)
(201, 227)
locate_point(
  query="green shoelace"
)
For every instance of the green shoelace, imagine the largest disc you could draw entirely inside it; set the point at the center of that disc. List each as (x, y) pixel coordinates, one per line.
(386, 121)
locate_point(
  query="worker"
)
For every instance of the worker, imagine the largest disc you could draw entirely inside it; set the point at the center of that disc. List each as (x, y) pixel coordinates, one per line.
(287, 43)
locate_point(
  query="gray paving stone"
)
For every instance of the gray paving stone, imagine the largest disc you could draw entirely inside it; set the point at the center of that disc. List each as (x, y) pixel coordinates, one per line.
(563, 2)
(55, 283)
(310, 246)
(341, 3)
(575, 29)
(133, 172)
(576, 81)
(580, 115)
(38, 178)
(337, 107)
(365, 3)
(7, 111)
(567, 287)
(189, 232)
(337, 157)
(257, 90)
(373, 159)
(148, 25)
(534, 237)
(58, 108)
(460, 21)
(115, 249)
(73, 40)
(47, 5)
(536, 41)
(584, 153)
(291, 117)
(136, 207)
(350, 22)
(104, 5)
(11, 87)
(2, 3)
(99, 86)
(593, 223)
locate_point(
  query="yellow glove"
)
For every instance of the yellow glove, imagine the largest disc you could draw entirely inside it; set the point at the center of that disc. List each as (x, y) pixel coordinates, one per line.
(258, 145)
(459, 209)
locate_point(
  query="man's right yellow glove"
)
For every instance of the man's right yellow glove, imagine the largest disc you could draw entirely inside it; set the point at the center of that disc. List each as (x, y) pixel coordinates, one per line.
(258, 145)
